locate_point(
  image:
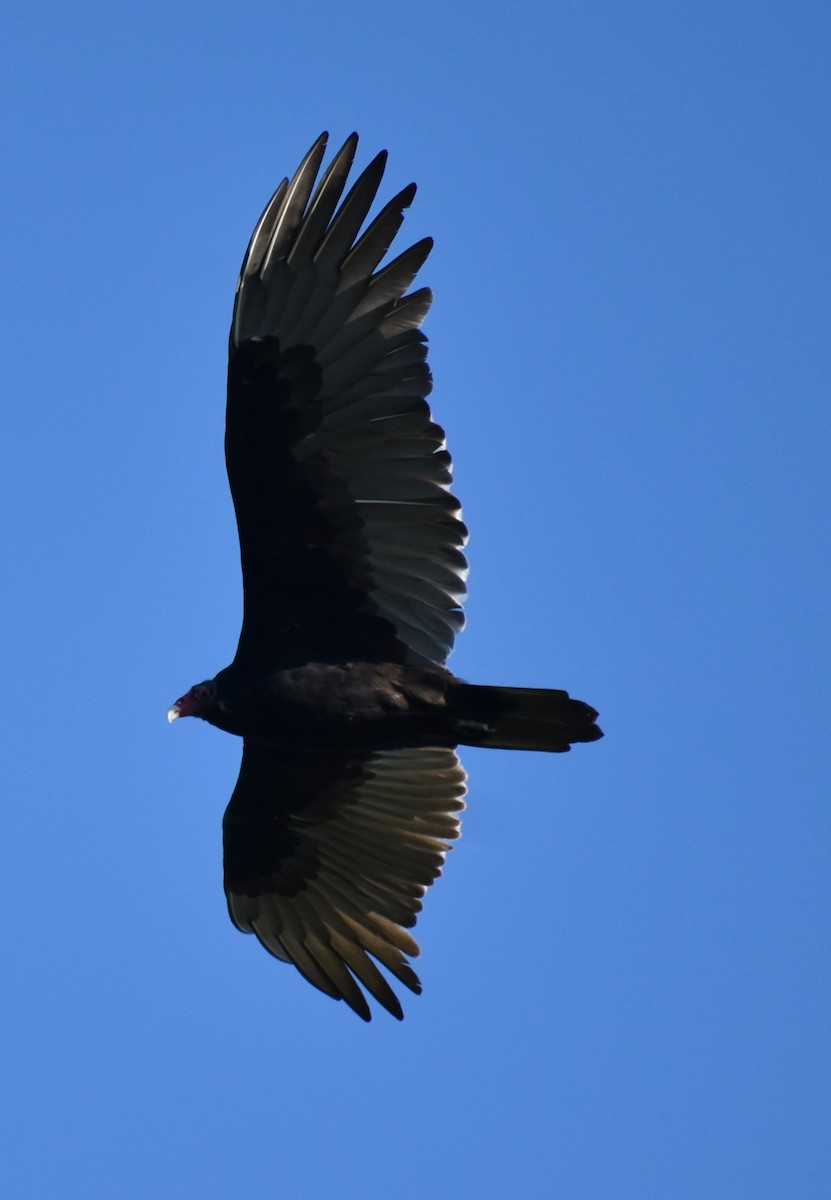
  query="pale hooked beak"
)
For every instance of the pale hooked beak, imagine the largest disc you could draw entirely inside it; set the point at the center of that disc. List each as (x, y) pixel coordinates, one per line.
(174, 711)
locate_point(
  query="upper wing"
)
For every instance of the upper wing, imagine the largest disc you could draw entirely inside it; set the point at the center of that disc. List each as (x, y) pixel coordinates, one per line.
(350, 539)
(327, 858)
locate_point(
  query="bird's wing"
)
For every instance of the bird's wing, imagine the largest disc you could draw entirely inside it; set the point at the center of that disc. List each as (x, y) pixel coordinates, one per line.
(327, 858)
(350, 538)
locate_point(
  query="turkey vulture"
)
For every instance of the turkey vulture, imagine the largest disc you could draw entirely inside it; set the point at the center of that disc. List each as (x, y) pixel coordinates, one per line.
(353, 575)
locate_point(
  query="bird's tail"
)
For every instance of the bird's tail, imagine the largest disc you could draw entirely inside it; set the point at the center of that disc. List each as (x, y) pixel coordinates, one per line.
(508, 718)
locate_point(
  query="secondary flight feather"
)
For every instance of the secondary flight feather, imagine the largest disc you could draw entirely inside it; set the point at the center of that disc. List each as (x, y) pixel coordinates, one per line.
(353, 576)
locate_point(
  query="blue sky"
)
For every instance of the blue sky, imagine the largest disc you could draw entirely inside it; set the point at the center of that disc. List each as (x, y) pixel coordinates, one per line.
(626, 964)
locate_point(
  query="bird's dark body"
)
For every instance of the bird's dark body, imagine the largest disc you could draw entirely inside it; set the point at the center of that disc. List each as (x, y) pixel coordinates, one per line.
(327, 707)
(351, 546)
(333, 706)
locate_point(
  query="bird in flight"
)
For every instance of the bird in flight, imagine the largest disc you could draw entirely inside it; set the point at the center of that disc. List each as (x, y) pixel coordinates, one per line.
(353, 576)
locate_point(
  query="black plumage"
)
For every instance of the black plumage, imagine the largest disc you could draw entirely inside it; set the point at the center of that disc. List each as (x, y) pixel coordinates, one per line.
(354, 575)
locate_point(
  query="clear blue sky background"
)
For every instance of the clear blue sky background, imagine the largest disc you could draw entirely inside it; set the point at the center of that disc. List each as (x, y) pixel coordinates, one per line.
(626, 964)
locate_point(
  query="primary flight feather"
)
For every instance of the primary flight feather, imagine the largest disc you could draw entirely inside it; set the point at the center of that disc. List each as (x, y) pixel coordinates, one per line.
(353, 575)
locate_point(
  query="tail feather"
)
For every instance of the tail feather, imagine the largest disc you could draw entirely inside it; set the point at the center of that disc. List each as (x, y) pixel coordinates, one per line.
(508, 718)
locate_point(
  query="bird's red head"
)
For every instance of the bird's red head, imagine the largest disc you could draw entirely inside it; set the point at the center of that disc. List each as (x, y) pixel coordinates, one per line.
(196, 703)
